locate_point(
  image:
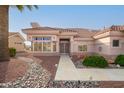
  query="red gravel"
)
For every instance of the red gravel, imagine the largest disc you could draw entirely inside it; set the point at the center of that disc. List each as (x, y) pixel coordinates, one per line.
(12, 69)
(48, 62)
(111, 84)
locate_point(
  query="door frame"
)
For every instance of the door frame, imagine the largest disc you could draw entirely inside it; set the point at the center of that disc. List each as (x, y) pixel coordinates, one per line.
(64, 41)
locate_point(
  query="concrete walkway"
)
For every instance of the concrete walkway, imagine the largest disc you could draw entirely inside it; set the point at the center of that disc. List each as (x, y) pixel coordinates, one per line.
(67, 71)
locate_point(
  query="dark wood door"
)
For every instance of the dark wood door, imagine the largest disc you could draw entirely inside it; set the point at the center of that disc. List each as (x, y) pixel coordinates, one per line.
(64, 47)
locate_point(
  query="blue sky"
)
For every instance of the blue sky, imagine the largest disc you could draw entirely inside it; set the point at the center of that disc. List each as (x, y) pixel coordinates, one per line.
(92, 17)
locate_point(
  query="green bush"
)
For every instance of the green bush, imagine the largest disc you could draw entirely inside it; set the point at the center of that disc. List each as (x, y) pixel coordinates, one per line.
(12, 52)
(120, 60)
(95, 61)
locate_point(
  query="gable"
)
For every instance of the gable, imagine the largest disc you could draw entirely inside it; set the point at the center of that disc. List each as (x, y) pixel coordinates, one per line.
(16, 35)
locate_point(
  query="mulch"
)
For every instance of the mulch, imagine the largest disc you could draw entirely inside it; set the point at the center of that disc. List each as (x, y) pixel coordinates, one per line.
(11, 70)
(49, 62)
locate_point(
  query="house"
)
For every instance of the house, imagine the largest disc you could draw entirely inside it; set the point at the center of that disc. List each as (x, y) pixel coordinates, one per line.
(47, 40)
(16, 40)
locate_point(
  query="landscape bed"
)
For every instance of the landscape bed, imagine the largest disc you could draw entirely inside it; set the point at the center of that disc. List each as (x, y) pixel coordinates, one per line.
(78, 64)
(50, 63)
(11, 70)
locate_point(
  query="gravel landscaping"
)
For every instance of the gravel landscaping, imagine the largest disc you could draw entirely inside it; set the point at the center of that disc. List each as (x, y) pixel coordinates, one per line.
(11, 70)
(39, 72)
(73, 84)
(85, 84)
(35, 77)
(50, 63)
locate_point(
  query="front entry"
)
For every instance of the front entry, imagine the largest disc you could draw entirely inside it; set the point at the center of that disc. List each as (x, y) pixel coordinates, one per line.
(64, 46)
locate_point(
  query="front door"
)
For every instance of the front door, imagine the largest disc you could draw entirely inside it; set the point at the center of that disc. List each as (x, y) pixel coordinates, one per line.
(64, 46)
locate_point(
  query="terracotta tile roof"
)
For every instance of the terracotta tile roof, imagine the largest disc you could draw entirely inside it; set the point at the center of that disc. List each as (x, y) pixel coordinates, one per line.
(112, 28)
(117, 27)
(49, 29)
(102, 31)
(81, 32)
(85, 33)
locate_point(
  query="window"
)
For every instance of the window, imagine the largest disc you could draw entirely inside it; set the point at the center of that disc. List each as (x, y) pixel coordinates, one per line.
(34, 38)
(35, 46)
(46, 46)
(46, 38)
(115, 43)
(38, 46)
(54, 46)
(41, 38)
(82, 48)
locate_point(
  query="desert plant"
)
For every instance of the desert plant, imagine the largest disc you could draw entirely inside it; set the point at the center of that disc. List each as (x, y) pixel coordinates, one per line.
(95, 61)
(12, 52)
(120, 60)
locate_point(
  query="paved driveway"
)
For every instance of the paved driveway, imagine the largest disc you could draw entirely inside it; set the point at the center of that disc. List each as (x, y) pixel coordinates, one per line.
(67, 71)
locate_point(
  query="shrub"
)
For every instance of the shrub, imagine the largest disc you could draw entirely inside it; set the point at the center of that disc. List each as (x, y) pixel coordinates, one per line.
(95, 61)
(120, 60)
(12, 52)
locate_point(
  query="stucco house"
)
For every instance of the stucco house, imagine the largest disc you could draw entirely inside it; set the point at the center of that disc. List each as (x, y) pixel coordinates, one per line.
(16, 40)
(47, 40)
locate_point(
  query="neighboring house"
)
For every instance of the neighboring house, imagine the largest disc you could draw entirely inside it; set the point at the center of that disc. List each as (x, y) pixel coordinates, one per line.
(16, 40)
(48, 40)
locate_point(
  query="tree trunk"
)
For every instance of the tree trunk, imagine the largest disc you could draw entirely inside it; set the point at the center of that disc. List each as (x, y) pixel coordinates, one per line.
(4, 50)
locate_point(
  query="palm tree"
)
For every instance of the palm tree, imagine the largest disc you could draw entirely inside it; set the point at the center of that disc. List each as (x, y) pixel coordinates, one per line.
(4, 12)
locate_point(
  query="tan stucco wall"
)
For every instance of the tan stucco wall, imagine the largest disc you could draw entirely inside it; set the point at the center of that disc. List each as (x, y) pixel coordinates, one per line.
(117, 50)
(107, 42)
(102, 40)
(16, 39)
(104, 43)
(90, 46)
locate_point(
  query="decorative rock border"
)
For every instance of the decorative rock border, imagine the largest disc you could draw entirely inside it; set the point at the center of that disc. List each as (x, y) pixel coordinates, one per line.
(35, 77)
(73, 84)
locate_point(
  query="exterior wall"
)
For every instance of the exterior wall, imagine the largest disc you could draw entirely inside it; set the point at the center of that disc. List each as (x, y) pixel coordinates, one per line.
(101, 43)
(117, 36)
(105, 41)
(90, 46)
(104, 44)
(16, 42)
